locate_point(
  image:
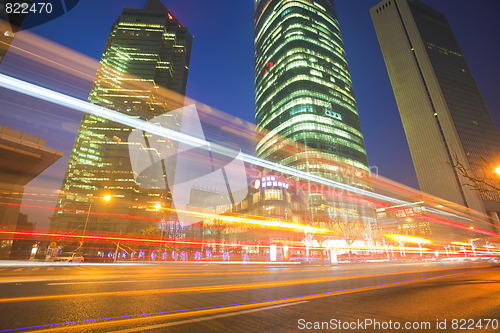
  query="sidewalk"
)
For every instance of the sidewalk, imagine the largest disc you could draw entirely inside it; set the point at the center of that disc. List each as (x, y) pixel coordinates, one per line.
(27, 263)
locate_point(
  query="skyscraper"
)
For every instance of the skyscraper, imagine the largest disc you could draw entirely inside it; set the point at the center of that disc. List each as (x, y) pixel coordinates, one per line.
(146, 49)
(303, 95)
(443, 113)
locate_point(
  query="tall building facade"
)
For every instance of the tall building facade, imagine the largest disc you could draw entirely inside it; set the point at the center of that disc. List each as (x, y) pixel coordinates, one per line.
(146, 49)
(443, 113)
(305, 108)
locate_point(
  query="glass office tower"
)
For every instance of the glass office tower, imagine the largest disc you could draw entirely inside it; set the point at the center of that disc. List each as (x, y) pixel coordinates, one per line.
(146, 49)
(305, 107)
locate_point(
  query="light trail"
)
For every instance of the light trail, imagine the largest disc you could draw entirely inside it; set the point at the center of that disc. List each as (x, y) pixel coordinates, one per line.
(408, 239)
(458, 225)
(105, 238)
(255, 220)
(85, 107)
(86, 70)
(96, 110)
(80, 210)
(154, 241)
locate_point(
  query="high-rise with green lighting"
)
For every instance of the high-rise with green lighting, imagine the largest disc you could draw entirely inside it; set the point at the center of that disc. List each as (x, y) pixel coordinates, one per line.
(305, 107)
(147, 49)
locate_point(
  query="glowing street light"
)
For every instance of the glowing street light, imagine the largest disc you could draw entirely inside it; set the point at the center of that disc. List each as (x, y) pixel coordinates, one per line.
(158, 207)
(106, 198)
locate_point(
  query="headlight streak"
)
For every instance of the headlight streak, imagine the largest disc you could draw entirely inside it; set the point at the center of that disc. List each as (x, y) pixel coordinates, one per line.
(66, 59)
(85, 107)
(254, 220)
(408, 239)
(79, 105)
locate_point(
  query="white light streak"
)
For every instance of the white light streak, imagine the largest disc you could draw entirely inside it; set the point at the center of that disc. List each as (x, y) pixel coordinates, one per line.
(96, 110)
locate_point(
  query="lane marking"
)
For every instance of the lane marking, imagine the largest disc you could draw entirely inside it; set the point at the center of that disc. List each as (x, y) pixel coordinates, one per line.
(99, 273)
(212, 288)
(50, 268)
(94, 282)
(170, 315)
(18, 269)
(66, 268)
(182, 322)
(35, 269)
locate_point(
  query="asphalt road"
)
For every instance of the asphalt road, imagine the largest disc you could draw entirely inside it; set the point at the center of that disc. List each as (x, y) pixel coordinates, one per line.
(376, 297)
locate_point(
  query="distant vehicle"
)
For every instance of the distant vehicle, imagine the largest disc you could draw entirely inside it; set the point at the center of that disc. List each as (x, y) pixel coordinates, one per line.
(68, 257)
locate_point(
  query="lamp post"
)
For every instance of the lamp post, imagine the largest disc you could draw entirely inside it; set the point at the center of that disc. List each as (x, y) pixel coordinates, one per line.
(308, 236)
(159, 208)
(106, 198)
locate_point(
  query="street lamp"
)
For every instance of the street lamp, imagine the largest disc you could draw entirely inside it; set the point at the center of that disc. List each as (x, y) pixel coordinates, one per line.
(308, 236)
(497, 170)
(106, 198)
(159, 208)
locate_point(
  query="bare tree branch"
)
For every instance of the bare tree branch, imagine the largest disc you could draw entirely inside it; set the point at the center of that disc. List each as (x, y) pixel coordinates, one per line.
(487, 186)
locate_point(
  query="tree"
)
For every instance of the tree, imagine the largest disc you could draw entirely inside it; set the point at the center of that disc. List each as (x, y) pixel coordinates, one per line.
(216, 230)
(151, 230)
(163, 231)
(349, 231)
(487, 182)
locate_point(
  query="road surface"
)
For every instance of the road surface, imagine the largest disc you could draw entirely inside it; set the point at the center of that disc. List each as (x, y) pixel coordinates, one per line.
(184, 297)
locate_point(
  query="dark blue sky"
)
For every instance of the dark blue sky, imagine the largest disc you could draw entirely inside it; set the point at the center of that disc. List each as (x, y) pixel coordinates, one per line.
(221, 72)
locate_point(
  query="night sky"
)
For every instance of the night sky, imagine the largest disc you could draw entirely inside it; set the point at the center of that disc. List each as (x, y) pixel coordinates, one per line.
(222, 75)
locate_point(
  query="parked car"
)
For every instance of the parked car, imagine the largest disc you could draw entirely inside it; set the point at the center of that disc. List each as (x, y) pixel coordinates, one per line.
(68, 257)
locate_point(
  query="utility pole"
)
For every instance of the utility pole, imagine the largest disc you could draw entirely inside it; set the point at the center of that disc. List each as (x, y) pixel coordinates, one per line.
(117, 246)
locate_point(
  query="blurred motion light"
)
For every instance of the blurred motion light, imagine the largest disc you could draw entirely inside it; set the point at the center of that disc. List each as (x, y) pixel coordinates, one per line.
(460, 243)
(272, 252)
(408, 239)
